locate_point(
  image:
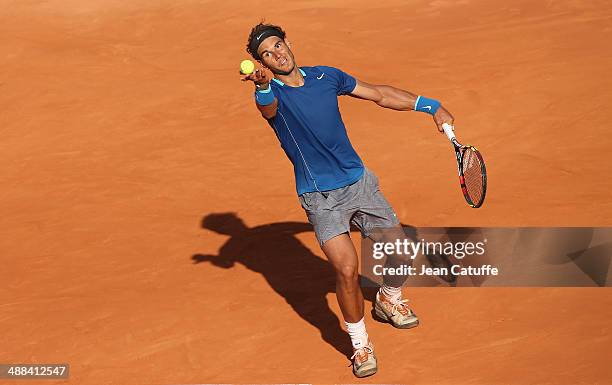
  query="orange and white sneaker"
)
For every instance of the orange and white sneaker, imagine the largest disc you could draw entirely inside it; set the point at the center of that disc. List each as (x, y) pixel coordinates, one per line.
(395, 312)
(364, 361)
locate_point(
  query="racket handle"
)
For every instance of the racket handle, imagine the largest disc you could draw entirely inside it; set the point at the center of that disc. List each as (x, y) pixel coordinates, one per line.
(448, 130)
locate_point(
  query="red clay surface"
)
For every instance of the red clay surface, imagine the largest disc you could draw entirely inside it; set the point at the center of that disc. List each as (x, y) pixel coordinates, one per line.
(125, 130)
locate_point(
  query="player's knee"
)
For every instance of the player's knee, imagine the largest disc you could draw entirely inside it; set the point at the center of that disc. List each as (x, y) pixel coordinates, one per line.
(347, 274)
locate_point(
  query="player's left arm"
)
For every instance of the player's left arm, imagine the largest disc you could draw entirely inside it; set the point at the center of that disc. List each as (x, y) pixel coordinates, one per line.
(397, 99)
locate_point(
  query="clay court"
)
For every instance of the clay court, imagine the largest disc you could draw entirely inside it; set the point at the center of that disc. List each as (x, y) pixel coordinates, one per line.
(150, 231)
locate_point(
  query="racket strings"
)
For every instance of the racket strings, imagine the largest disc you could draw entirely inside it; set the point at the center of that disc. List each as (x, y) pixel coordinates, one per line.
(472, 174)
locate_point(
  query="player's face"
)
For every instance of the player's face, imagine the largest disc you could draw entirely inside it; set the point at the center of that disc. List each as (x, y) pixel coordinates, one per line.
(276, 55)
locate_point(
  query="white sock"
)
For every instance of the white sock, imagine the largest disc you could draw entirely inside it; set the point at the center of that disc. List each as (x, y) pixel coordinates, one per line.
(357, 331)
(391, 293)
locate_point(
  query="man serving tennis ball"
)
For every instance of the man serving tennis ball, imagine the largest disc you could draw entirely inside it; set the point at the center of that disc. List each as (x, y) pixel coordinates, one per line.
(334, 187)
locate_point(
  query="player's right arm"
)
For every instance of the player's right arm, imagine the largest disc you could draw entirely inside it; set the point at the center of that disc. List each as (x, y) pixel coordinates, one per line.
(262, 84)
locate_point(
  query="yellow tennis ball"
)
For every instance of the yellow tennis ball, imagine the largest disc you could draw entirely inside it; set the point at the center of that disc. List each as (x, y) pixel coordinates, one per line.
(247, 67)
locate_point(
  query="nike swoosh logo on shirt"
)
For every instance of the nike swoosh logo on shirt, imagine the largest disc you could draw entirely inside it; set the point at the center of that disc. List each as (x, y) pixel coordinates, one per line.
(321, 77)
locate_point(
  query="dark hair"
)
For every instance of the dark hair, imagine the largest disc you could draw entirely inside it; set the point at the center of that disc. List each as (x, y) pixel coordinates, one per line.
(258, 30)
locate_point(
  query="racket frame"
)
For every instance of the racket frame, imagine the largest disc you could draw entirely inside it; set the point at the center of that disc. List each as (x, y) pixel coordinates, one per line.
(459, 153)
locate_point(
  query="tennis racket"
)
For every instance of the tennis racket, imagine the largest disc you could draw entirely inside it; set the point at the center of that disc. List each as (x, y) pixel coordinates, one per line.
(472, 171)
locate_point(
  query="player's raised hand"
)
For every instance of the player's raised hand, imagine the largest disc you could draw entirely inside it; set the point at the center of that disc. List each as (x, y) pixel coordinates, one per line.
(258, 76)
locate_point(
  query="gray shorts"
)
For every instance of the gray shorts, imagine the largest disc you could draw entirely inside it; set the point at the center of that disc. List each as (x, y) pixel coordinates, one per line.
(361, 203)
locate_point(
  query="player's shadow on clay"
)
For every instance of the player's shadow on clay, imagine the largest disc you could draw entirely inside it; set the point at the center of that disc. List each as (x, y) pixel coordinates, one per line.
(289, 267)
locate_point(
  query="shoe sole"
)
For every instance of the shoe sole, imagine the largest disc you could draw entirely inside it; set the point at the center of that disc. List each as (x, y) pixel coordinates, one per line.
(383, 318)
(366, 373)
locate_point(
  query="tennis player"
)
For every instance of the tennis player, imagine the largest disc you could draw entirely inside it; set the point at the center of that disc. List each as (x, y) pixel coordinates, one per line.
(334, 187)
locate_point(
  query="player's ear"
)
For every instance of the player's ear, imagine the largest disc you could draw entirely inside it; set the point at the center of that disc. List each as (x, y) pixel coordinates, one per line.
(288, 43)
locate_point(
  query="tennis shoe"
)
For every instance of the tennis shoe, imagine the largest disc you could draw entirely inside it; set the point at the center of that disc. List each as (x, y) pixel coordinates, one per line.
(395, 312)
(364, 361)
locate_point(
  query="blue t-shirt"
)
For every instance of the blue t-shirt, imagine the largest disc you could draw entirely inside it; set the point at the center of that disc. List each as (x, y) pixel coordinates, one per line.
(311, 132)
